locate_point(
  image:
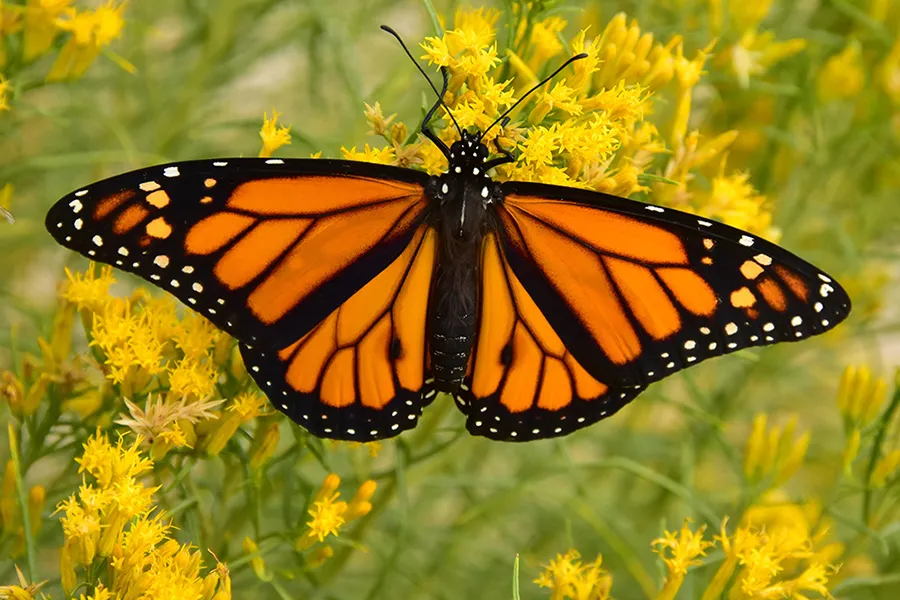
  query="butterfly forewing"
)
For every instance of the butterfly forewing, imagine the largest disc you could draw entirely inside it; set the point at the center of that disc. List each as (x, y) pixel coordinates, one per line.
(637, 292)
(264, 248)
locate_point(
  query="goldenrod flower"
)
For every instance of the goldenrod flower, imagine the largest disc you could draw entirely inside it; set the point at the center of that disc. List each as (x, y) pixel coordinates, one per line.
(385, 156)
(680, 552)
(90, 32)
(5, 88)
(567, 577)
(329, 514)
(273, 135)
(886, 468)
(256, 562)
(89, 290)
(773, 453)
(860, 396)
(842, 76)
(41, 26)
(265, 441)
(23, 591)
(244, 407)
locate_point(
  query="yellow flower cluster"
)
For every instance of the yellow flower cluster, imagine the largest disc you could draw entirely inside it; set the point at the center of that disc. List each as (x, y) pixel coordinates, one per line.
(112, 523)
(773, 454)
(777, 551)
(596, 126)
(328, 514)
(568, 577)
(38, 25)
(166, 366)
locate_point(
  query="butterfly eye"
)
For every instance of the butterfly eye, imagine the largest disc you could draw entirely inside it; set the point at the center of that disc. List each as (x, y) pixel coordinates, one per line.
(482, 151)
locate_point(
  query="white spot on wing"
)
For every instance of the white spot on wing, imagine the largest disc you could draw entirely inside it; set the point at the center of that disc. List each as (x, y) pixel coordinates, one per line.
(824, 290)
(123, 251)
(824, 278)
(161, 261)
(197, 287)
(796, 321)
(274, 161)
(655, 209)
(76, 206)
(78, 223)
(704, 223)
(746, 240)
(80, 193)
(219, 163)
(731, 328)
(171, 172)
(98, 241)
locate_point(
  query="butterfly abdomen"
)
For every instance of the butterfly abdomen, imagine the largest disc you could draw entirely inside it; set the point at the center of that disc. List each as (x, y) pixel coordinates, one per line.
(453, 310)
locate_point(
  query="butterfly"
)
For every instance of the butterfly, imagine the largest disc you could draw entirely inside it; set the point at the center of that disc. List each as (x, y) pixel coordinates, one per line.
(358, 291)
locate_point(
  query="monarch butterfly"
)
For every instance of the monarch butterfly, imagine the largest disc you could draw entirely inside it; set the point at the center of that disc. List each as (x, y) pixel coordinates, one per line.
(358, 291)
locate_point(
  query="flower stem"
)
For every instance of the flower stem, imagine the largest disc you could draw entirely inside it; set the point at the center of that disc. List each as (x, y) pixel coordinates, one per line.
(22, 496)
(886, 419)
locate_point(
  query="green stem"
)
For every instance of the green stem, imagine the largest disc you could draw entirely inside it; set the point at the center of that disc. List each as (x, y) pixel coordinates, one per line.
(886, 419)
(23, 503)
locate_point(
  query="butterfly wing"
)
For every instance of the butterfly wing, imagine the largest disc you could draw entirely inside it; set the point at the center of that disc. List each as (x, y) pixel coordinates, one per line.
(637, 292)
(264, 248)
(523, 382)
(359, 374)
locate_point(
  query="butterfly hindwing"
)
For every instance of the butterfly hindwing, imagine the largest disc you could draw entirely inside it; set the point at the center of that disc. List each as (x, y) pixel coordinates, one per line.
(523, 383)
(637, 292)
(264, 248)
(359, 374)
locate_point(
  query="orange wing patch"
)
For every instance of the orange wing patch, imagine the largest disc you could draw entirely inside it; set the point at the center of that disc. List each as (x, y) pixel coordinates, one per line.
(516, 346)
(315, 195)
(374, 342)
(523, 383)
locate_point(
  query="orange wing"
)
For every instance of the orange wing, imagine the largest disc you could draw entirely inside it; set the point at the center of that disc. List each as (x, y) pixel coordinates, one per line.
(264, 248)
(523, 382)
(637, 292)
(359, 374)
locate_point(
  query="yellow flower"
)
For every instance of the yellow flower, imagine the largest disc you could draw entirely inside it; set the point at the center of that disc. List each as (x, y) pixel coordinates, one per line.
(774, 454)
(568, 577)
(889, 73)
(89, 290)
(885, 469)
(23, 591)
(545, 42)
(265, 441)
(256, 562)
(860, 397)
(329, 514)
(192, 377)
(755, 53)
(385, 156)
(5, 88)
(685, 546)
(273, 135)
(244, 407)
(116, 523)
(41, 26)
(842, 77)
(90, 31)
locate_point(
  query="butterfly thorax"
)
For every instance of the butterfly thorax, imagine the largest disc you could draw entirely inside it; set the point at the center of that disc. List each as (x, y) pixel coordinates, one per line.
(460, 199)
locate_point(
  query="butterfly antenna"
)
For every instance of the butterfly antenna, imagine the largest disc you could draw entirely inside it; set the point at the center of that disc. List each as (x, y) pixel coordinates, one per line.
(532, 90)
(440, 95)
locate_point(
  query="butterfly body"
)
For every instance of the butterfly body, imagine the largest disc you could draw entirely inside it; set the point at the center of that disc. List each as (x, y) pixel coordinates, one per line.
(460, 204)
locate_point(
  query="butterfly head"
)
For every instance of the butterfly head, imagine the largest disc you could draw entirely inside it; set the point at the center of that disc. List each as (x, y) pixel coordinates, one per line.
(468, 155)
